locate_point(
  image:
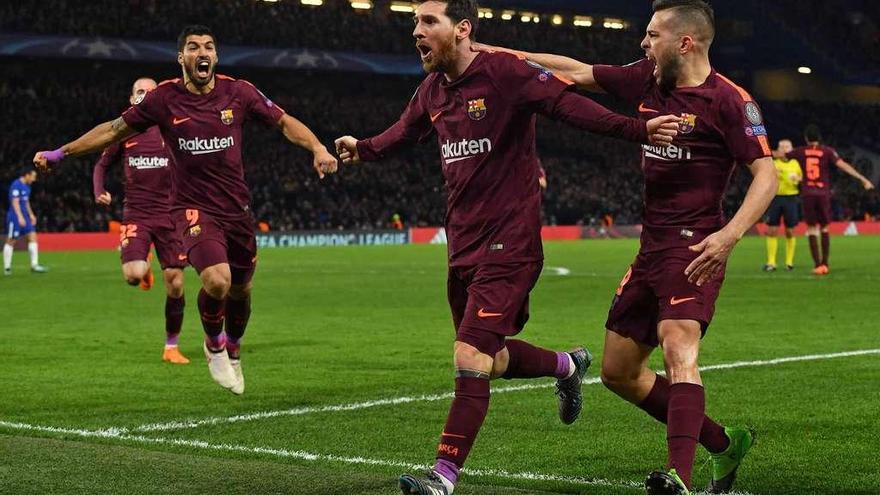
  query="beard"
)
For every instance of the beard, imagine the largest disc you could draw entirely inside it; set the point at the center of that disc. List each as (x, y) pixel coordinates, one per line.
(442, 58)
(193, 75)
(669, 72)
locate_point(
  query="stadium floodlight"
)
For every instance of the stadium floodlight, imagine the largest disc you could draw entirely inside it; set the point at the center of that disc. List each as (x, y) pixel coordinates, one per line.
(583, 21)
(611, 23)
(805, 70)
(556, 20)
(316, 3)
(485, 14)
(507, 15)
(362, 4)
(405, 7)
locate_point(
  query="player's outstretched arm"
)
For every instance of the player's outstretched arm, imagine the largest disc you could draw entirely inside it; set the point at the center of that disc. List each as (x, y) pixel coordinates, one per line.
(849, 169)
(297, 133)
(715, 249)
(584, 113)
(95, 140)
(576, 71)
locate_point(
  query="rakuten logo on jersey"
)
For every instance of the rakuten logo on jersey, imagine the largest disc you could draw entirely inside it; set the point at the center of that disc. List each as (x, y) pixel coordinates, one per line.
(202, 146)
(143, 162)
(456, 151)
(667, 153)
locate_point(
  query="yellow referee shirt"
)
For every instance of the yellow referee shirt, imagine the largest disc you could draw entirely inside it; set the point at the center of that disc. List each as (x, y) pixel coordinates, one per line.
(786, 169)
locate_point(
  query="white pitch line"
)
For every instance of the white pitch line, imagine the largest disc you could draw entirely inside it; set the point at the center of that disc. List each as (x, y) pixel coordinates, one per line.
(299, 411)
(309, 456)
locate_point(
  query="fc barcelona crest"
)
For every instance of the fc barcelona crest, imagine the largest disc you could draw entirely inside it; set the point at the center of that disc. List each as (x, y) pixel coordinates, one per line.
(688, 123)
(226, 116)
(476, 108)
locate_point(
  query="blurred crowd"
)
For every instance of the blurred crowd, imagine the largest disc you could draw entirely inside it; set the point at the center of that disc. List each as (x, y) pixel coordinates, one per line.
(331, 26)
(590, 178)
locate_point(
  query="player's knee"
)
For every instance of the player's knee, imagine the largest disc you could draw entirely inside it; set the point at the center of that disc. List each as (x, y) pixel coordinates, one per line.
(616, 378)
(824, 229)
(216, 284)
(132, 281)
(468, 357)
(771, 231)
(174, 283)
(789, 233)
(499, 365)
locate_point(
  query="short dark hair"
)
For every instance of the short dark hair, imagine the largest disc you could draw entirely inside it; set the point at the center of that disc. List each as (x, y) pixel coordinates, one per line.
(812, 133)
(27, 171)
(459, 10)
(193, 29)
(696, 13)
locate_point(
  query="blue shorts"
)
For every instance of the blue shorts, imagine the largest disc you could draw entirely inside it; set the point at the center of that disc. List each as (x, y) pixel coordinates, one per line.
(14, 230)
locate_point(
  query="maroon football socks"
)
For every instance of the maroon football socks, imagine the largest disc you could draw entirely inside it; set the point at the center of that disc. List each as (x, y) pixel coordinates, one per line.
(814, 250)
(656, 404)
(173, 319)
(826, 247)
(238, 312)
(685, 414)
(529, 361)
(466, 415)
(212, 312)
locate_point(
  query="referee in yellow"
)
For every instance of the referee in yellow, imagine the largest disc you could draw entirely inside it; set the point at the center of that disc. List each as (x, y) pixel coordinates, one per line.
(784, 206)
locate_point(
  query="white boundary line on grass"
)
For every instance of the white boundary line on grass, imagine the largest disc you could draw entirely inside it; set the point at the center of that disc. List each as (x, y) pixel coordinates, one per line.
(299, 411)
(309, 456)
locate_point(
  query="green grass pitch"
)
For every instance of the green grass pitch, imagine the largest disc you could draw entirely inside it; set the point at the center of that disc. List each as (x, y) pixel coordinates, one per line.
(82, 375)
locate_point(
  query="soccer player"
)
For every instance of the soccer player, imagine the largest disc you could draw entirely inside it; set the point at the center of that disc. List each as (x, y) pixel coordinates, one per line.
(200, 117)
(816, 160)
(483, 109)
(668, 295)
(784, 207)
(146, 219)
(21, 221)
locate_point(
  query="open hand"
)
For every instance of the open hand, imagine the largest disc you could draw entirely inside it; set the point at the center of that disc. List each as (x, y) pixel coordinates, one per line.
(714, 251)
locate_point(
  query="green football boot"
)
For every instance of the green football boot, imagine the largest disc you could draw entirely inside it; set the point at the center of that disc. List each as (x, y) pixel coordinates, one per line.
(725, 464)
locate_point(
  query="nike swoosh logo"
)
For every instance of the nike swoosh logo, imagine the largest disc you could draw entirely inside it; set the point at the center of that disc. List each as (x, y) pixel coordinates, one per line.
(453, 160)
(435, 117)
(483, 314)
(177, 121)
(643, 108)
(131, 144)
(676, 302)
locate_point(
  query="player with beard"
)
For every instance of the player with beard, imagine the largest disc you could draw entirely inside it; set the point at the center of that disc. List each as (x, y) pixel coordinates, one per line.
(146, 219)
(201, 117)
(816, 160)
(668, 295)
(483, 109)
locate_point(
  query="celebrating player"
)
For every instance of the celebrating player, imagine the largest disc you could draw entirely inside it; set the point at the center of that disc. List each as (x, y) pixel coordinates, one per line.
(147, 218)
(784, 207)
(816, 160)
(667, 296)
(21, 221)
(482, 108)
(201, 117)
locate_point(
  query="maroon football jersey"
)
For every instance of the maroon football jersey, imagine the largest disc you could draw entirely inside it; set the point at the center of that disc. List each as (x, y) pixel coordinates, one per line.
(685, 182)
(204, 133)
(816, 162)
(485, 125)
(147, 162)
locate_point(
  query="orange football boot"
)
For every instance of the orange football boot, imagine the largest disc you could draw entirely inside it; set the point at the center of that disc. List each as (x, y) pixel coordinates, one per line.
(174, 356)
(149, 279)
(821, 270)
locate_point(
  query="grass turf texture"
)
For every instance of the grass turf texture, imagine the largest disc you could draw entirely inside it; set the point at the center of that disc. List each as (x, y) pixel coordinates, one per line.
(343, 325)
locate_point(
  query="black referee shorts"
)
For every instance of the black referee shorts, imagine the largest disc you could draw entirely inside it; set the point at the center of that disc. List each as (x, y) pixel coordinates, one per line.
(785, 208)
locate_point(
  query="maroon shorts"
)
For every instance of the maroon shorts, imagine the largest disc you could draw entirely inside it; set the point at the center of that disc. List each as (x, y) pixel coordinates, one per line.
(817, 209)
(209, 241)
(654, 289)
(490, 302)
(136, 235)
